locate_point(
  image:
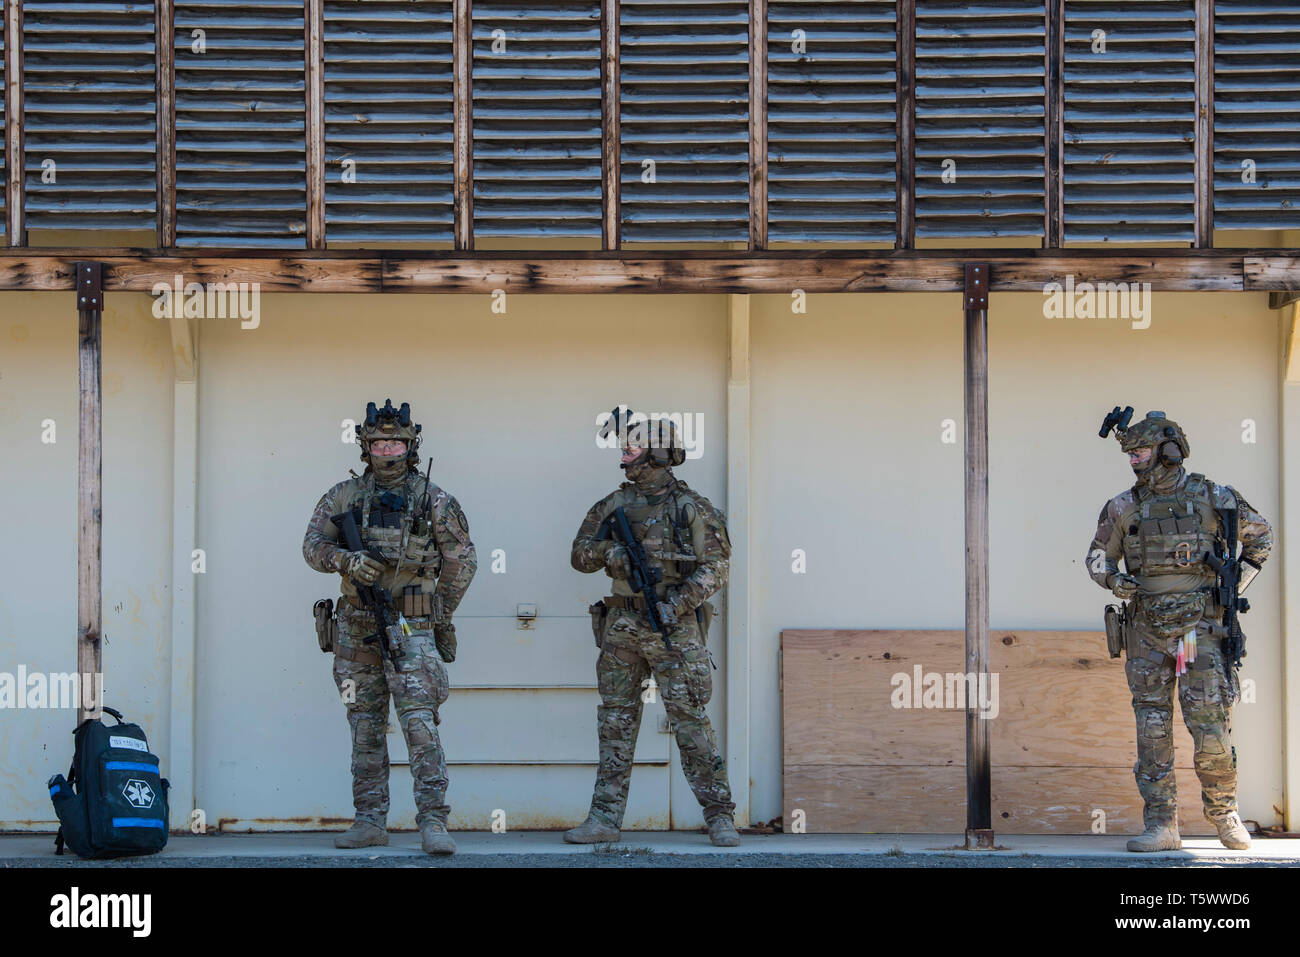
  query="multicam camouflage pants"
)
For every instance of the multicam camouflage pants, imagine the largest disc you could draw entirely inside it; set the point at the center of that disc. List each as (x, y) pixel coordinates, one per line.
(630, 651)
(418, 686)
(1205, 702)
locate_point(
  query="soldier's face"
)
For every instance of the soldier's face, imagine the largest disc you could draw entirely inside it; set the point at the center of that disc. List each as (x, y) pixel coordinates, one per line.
(1140, 457)
(388, 447)
(631, 454)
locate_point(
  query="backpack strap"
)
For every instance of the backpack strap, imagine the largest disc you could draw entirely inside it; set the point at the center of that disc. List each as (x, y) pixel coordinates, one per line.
(72, 769)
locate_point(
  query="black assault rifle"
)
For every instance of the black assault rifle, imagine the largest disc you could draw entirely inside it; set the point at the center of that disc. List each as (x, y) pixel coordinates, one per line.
(1228, 567)
(378, 601)
(644, 577)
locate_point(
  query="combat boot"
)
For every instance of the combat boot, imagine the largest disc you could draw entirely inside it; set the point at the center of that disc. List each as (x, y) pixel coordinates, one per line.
(362, 834)
(593, 831)
(435, 839)
(1157, 837)
(722, 831)
(1232, 833)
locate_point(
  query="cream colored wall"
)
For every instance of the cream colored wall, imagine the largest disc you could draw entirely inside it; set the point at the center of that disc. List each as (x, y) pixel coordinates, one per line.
(848, 464)
(508, 403)
(38, 565)
(847, 406)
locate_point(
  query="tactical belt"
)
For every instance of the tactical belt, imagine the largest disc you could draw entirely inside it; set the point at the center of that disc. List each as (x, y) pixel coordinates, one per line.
(630, 603)
(360, 656)
(350, 612)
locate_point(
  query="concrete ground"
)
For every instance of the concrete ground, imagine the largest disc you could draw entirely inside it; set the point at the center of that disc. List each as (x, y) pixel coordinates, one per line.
(663, 849)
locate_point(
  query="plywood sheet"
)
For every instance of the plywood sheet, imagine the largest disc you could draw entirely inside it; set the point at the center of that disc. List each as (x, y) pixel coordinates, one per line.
(866, 749)
(927, 799)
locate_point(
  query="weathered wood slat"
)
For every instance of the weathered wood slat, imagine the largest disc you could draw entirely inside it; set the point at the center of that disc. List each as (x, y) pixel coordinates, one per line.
(314, 81)
(905, 167)
(1054, 124)
(657, 271)
(1271, 272)
(1256, 134)
(1204, 166)
(462, 48)
(610, 150)
(979, 119)
(165, 119)
(1130, 122)
(831, 121)
(757, 124)
(15, 223)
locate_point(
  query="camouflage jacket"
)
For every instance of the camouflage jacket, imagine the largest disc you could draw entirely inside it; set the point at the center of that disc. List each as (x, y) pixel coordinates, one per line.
(1120, 516)
(443, 549)
(683, 535)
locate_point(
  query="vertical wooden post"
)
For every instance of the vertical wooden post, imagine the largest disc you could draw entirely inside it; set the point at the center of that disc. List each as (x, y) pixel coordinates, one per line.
(1287, 529)
(905, 99)
(739, 673)
(180, 741)
(15, 214)
(164, 39)
(314, 82)
(979, 826)
(1054, 126)
(1204, 133)
(610, 142)
(462, 57)
(757, 124)
(90, 305)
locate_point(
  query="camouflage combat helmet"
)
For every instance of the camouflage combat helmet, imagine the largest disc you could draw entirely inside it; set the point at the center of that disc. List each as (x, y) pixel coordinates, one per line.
(388, 423)
(1155, 430)
(658, 437)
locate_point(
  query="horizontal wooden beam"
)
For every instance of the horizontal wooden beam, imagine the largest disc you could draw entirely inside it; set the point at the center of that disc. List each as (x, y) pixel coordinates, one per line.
(777, 272)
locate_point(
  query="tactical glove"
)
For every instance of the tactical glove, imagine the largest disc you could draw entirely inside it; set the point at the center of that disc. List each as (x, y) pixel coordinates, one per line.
(617, 563)
(1123, 586)
(667, 613)
(359, 566)
(444, 638)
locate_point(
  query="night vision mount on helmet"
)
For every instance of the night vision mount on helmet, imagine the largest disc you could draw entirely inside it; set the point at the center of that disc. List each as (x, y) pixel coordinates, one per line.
(1162, 433)
(658, 437)
(388, 423)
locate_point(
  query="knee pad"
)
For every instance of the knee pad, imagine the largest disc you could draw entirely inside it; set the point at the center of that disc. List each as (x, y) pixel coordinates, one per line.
(420, 727)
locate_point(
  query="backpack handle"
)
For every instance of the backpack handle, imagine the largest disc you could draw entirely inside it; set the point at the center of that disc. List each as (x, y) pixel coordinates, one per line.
(115, 713)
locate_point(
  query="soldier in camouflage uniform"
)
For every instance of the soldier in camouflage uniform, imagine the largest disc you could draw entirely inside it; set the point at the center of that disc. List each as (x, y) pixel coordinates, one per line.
(399, 515)
(686, 538)
(1163, 526)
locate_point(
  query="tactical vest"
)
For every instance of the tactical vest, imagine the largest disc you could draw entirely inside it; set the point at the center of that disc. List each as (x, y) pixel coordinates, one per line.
(383, 529)
(1169, 534)
(664, 530)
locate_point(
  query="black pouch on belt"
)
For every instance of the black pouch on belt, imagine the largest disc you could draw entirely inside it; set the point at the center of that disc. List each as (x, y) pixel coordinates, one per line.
(1114, 630)
(327, 627)
(598, 612)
